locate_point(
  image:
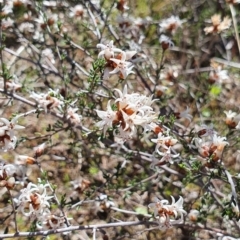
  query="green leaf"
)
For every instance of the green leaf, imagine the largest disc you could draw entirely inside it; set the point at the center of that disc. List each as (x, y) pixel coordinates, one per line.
(141, 210)
(93, 170)
(215, 90)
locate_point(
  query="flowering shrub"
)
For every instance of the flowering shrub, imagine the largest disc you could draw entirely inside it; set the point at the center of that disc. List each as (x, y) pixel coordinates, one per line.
(119, 119)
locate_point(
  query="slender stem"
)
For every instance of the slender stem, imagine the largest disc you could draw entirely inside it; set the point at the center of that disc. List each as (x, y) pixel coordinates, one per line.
(233, 12)
(1, 58)
(94, 233)
(234, 193)
(74, 228)
(14, 212)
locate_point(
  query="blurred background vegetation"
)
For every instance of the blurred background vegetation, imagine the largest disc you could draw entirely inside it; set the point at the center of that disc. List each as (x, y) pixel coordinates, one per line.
(83, 165)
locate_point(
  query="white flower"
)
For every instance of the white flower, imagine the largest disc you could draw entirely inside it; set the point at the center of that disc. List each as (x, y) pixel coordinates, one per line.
(107, 50)
(193, 215)
(122, 65)
(6, 171)
(10, 126)
(164, 142)
(33, 200)
(23, 159)
(167, 157)
(49, 221)
(206, 131)
(232, 119)
(39, 150)
(184, 115)
(103, 204)
(166, 213)
(170, 24)
(132, 110)
(52, 100)
(166, 42)
(73, 116)
(108, 117)
(76, 11)
(211, 147)
(218, 25)
(26, 27)
(48, 19)
(218, 75)
(170, 73)
(7, 8)
(7, 133)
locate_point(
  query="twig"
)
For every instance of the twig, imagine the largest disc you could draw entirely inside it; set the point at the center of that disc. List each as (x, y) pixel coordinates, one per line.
(233, 12)
(225, 62)
(1, 58)
(14, 212)
(130, 212)
(75, 228)
(234, 194)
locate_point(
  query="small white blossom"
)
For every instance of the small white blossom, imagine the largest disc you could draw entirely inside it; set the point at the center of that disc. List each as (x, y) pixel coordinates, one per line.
(184, 115)
(211, 147)
(108, 118)
(193, 215)
(103, 204)
(50, 221)
(232, 119)
(218, 75)
(168, 214)
(166, 42)
(6, 170)
(76, 11)
(218, 25)
(73, 116)
(122, 66)
(7, 133)
(170, 24)
(163, 142)
(52, 100)
(167, 157)
(107, 51)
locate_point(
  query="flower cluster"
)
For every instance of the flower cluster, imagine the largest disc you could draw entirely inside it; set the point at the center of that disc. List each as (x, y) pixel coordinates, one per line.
(52, 221)
(116, 63)
(132, 110)
(166, 213)
(8, 139)
(164, 143)
(52, 100)
(34, 200)
(210, 146)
